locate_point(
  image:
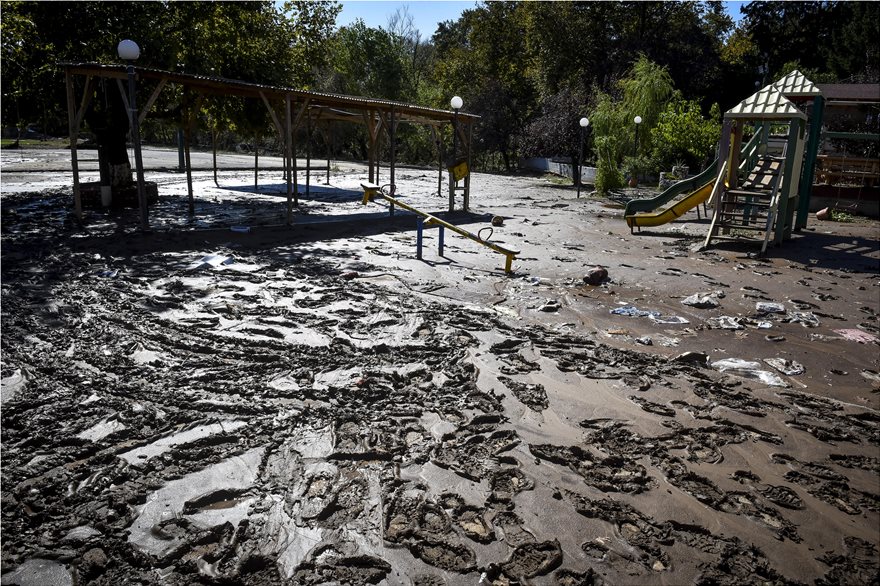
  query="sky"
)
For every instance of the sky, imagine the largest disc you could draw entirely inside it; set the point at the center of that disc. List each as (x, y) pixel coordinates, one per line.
(428, 13)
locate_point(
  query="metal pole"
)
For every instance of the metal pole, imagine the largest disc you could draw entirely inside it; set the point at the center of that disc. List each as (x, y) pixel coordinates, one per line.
(136, 139)
(636, 150)
(580, 158)
(453, 158)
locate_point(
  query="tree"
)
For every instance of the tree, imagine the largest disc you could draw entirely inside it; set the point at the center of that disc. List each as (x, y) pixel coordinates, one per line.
(644, 92)
(254, 41)
(646, 89)
(682, 134)
(856, 42)
(557, 130)
(610, 145)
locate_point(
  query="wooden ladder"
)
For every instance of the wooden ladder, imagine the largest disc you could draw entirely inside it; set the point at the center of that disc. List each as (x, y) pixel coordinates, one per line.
(752, 206)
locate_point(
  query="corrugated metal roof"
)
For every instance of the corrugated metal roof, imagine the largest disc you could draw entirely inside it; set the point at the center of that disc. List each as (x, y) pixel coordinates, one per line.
(796, 85)
(768, 103)
(856, 92)
(234, 87)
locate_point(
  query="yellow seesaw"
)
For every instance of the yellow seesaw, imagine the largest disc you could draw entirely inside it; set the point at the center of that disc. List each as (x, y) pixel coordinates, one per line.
(372, 191)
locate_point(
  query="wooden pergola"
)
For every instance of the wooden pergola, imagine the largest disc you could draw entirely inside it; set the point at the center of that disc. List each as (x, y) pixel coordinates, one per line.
(290, 109)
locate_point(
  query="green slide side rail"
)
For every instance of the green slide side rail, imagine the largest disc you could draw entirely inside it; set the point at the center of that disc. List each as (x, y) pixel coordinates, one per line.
(686, 186)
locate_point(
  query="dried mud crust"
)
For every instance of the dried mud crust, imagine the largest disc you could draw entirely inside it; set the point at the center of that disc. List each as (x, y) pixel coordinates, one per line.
(289, 408)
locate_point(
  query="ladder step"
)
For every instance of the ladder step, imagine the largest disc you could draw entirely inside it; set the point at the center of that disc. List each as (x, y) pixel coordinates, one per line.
(743, 204)
(750, 192)
(741, 227)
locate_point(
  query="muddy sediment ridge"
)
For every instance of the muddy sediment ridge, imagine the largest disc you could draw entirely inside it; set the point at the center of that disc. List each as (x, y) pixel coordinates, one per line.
(261, 417)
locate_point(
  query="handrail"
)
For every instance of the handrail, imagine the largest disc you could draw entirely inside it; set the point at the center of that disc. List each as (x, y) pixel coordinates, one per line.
(719, 181)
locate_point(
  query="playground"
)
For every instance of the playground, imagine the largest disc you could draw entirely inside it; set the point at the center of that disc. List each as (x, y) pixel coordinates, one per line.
(227, 397)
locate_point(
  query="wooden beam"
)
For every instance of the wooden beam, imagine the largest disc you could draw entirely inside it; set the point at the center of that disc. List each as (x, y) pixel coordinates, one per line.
(86, 99)
(272, 114)
(287, 149)
(146, 109)
(73, 133)
(437, 140)
(299, 116)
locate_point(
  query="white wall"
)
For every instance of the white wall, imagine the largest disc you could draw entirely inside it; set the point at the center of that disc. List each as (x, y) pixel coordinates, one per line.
(558, 167)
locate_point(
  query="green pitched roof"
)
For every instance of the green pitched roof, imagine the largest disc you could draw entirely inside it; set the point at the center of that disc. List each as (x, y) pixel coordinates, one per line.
(795, 85)
(768, 103)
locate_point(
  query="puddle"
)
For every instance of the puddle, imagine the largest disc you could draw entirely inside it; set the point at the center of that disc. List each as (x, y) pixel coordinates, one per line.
(38, 572)
(162, 445)
(233, 474)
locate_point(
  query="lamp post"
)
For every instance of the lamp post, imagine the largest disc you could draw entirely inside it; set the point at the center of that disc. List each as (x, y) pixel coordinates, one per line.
(181, 159)
(584, 122)
(129, 51)
(456, 102)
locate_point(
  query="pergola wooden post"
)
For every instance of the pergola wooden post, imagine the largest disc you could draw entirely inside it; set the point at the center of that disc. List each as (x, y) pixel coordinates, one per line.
(74, 119)
(287, 154)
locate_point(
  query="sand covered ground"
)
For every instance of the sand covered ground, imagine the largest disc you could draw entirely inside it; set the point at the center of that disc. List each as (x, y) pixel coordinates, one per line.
(314, 405)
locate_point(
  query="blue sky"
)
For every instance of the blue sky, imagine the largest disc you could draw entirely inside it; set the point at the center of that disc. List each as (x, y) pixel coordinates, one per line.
(428, 13)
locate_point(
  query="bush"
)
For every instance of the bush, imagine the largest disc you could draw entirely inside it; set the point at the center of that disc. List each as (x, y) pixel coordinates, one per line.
(684, 135)
(608, 175)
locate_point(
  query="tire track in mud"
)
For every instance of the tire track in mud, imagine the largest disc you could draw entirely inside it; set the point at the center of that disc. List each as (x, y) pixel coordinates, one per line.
(323, 440)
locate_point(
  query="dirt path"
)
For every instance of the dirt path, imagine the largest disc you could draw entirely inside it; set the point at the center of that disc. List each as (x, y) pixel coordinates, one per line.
(314, 405)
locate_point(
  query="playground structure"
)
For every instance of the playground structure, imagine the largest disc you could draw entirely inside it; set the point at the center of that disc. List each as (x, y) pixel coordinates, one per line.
(848, 167)
(291, 111)
(761, 187)
(426, 220)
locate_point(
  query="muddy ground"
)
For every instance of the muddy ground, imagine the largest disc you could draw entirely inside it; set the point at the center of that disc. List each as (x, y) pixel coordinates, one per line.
(314, 405)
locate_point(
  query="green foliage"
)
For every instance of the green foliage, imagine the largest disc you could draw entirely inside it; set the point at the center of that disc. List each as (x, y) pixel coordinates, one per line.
(842, 216)
(610, 147)
(254, 41)
(683, 134)
(512, 62)
(367, 62)
(608, 175)
(646, 89)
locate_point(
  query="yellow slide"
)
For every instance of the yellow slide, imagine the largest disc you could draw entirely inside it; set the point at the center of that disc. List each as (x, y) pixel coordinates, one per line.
(674, 210)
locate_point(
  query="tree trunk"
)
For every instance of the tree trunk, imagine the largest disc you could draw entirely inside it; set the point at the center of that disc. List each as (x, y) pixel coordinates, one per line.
(108, 120)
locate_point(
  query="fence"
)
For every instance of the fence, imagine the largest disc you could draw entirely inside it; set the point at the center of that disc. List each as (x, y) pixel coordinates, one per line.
(558, 167)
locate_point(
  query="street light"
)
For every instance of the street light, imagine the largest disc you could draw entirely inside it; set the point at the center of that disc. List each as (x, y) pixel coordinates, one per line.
(456, 102)
(584, 122)
(129, 51)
